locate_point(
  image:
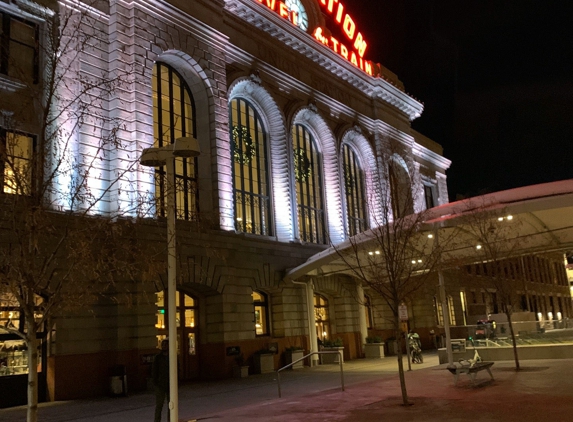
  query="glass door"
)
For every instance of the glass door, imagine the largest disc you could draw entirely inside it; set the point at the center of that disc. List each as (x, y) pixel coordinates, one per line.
(187, 331)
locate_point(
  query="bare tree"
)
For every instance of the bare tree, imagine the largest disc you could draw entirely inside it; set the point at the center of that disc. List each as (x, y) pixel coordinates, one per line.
(62, 244)
(494, 237)
(395, 257)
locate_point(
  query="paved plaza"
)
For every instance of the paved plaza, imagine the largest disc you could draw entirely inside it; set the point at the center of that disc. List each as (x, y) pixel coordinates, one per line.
(541, 391)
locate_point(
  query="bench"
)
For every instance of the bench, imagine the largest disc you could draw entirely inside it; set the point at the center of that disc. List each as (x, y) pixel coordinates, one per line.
(471, 370)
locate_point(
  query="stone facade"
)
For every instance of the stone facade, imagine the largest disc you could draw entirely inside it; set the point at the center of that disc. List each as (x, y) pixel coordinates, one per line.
(225, 50)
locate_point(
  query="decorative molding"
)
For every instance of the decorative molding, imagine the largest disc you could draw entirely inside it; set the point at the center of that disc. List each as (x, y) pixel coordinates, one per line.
(256, 78)
(35, 9)
(425, 154)
(9, 84)
(277, 27)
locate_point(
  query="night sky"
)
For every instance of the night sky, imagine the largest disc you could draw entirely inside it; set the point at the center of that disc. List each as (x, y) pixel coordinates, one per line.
(496, 79)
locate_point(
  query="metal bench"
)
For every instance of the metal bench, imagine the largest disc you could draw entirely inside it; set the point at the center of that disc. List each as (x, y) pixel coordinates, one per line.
(471, 370)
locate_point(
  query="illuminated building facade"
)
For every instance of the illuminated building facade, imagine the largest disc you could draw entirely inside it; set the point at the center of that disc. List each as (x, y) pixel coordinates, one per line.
(293, 123)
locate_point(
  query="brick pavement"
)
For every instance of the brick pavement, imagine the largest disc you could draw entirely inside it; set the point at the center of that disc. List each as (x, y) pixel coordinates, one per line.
(542, 391)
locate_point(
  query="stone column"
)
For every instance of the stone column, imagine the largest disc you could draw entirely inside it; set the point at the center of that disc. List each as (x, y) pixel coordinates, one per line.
(361, 314)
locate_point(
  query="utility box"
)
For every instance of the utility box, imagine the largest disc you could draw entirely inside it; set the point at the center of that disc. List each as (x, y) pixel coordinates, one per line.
(118, 381)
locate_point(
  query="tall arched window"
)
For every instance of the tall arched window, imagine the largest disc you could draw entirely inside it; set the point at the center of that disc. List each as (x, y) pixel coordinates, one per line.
(174, 117)
(308, 181)
(400, 190)
(355, 192)
(250, 169)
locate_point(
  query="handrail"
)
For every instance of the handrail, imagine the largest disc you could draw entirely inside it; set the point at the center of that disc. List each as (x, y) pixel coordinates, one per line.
(324, 352)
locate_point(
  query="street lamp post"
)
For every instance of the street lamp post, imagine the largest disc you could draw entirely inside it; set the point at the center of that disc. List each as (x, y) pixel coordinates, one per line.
(185, 147)
(445, 307)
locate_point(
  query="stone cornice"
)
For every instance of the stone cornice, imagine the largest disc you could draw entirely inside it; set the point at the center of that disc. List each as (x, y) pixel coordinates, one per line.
(377, 88)
(10, 84)
(172, 14)
(35, 9)
(430, 156)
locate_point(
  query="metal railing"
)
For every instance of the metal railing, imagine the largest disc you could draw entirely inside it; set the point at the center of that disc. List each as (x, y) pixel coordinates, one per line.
(325, 352)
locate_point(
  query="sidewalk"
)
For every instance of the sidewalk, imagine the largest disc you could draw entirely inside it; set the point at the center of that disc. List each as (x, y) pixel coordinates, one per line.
(543, 390)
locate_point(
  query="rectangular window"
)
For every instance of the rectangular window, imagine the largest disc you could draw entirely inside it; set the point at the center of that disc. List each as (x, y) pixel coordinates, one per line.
(18, 48)
(16, 168)
(429, 197)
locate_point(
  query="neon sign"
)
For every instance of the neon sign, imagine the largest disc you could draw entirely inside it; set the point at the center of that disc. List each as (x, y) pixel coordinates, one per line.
(348, 25)
(353, 54)
(282, 9)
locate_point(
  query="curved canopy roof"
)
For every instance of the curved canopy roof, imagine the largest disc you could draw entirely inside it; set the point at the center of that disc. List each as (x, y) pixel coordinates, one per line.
(542, 216)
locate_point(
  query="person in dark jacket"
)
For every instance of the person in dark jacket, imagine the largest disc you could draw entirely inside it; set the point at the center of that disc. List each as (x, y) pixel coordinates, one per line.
(160, 375)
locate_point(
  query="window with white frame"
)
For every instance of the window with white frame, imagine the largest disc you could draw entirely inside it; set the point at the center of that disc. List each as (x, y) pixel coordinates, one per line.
(354, 187)
(250, 169)
(308, 183)
(18, 48)
(173, 118)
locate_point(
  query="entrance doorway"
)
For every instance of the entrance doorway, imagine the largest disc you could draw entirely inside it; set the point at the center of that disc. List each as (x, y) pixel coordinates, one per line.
(321, 318)
(187, 331)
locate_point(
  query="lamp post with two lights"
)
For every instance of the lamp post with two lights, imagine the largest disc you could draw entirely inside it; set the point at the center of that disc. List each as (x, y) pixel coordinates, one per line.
(185, 147)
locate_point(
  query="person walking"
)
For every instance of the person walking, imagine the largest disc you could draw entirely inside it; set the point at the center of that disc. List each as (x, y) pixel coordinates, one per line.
(160, 376)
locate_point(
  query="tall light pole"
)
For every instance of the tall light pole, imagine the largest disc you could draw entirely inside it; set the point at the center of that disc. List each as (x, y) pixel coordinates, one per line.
(445, 305)
(186, 147)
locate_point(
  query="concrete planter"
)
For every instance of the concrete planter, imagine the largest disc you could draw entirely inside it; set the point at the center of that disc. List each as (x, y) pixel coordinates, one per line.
(331, 358)
(264, 362)
(241, 371)
(374, 350)
(291, 356)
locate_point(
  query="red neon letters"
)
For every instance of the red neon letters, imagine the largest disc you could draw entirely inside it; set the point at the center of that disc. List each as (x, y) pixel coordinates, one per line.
(336, 8)
(348, 25)
(281, 8)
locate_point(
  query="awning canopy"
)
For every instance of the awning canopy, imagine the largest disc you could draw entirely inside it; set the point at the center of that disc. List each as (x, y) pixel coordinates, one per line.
(543, 215)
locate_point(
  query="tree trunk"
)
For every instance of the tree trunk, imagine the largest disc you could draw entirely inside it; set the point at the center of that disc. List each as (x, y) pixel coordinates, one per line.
(398, 335)
(32, 343)
(513, 341)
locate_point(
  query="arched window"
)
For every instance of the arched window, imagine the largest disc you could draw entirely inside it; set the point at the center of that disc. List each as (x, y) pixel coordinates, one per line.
(174, 117)
(400, 190)
(261, 305)
(250, 169)
(321, 316)
(355, 192)
(308, 182)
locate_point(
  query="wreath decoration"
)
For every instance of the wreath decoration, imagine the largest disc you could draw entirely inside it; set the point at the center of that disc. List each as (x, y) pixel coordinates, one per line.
(348, 179)
(240, 155)
(302, 165)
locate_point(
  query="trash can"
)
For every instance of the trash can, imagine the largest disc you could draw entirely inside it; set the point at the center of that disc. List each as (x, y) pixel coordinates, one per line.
(118, 381)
